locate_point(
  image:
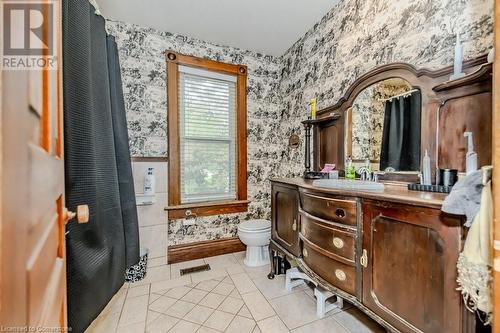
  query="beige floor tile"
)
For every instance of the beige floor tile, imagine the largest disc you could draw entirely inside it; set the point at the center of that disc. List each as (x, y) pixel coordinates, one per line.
(194, 296)
(257, 330)
(153, 297)
(162, 304)
(179, 309)
(116, 303)
(159, 261)
(176, 268)
(135, 291)
(212, 300)
(106, 323)
(327, 324)
(235, 294)
(161, 324)
(245, 312)
(133, 328)
(177, 292)
(223, 288)
(134, 310)
(234, 269)
(219, 320)
(228, 280)
(273, 288)
(295, 310)
(231, 305)
(184, 327)
(154, 274)
(241, 325)
(257, 272)
(272, 325)
(199, 314)
(356, 321)
(208, 275)
(159, 286)
(152, 316)
(240, 256)
(243, 283)
(258, 305)
(207, 285)
(222, 261)
(204, 329)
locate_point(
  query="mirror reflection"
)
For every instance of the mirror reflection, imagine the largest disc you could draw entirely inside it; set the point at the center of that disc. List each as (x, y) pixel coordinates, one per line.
(384, 127)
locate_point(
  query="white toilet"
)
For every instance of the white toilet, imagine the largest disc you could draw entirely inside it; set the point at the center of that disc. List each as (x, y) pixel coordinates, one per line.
(255, 234)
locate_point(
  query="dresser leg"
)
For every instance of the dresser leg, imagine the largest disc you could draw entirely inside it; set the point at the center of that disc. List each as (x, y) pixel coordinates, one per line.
(271, 274)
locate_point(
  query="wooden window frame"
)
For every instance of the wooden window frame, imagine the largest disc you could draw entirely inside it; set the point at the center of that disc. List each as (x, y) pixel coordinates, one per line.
(177, 210)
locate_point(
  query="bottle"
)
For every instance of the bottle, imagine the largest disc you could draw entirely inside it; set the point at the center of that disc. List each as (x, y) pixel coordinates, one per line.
(426, 164)
(313, 108)
(350, 169)
(149, 182)
(471, 156)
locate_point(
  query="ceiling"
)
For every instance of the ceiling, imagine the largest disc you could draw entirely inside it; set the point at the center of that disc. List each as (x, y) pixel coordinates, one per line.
(267, 26)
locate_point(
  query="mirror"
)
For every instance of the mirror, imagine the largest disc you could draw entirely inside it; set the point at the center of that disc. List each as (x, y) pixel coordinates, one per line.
(383, 125)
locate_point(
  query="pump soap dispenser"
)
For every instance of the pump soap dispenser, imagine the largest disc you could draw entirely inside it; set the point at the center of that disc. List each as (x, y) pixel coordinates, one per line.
(471, 157)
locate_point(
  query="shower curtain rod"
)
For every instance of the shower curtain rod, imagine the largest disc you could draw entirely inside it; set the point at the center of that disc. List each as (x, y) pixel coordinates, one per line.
(405, 94)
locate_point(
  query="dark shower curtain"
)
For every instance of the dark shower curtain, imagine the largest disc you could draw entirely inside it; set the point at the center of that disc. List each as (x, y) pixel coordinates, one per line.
(97, 166)
(401, 134)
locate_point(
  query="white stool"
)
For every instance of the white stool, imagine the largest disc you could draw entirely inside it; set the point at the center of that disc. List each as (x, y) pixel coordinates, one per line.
(322, 296)
(295, 277)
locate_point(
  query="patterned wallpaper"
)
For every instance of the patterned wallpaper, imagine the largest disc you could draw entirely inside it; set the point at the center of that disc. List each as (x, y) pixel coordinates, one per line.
(144, 85)
(355, 36)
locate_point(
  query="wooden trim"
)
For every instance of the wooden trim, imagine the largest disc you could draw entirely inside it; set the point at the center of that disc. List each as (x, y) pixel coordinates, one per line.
(176, 209)
(206, 209)
(241, 137)
(496, 170)
(148, 159)
(188, 60)
(174, 165)
(198, 250)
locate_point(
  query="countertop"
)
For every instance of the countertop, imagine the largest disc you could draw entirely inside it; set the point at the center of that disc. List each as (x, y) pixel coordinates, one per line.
(392, 192)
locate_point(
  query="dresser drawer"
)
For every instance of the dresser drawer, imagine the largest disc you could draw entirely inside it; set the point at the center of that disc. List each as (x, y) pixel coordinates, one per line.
(337, 241)
(336, 273)
(337, 210)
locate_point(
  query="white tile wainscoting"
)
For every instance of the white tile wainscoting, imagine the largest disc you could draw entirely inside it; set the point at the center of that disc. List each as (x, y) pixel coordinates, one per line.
(229, 298)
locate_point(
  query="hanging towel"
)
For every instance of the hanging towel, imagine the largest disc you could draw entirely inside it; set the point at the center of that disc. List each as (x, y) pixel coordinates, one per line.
(465, 197)
(475, 261)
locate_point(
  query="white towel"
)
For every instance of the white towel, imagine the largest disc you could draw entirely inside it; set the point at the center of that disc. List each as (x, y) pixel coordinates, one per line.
(475, 261)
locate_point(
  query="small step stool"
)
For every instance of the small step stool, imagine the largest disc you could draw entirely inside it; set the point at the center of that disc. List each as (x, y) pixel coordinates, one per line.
(295, 277)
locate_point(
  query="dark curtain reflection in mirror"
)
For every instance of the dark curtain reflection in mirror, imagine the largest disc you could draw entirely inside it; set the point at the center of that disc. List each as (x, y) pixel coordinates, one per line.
(401, 134)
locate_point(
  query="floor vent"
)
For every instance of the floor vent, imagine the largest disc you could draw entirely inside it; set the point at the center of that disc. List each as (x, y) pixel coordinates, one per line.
(195, 269)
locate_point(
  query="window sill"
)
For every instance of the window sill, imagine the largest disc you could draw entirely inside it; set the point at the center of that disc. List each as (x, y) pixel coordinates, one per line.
(206, 209)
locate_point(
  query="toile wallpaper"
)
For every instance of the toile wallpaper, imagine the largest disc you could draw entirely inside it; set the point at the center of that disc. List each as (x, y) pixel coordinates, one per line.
(354, 37)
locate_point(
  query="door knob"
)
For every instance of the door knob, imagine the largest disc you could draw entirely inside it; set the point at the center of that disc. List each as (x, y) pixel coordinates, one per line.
(82, 214)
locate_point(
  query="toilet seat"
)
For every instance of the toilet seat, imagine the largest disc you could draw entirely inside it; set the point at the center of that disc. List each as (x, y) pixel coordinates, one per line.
(255, 226)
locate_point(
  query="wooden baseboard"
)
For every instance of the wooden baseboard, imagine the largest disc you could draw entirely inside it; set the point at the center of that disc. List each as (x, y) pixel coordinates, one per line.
(198, 250)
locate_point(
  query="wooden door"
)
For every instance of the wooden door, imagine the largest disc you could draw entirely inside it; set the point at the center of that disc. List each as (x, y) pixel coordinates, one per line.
(33, 217)
(284, 203)
(409, 275)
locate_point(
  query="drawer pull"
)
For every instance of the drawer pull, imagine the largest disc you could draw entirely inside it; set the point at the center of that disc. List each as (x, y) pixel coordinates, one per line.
(294, 225)
(338, 243)
(304, 253)
(340, 213)
(340, 274)
(364, 259)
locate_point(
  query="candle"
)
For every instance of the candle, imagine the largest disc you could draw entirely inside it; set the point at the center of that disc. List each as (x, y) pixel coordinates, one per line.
(457, 65)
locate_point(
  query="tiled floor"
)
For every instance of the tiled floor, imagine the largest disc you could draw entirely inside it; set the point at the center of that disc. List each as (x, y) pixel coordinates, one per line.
(229, 298)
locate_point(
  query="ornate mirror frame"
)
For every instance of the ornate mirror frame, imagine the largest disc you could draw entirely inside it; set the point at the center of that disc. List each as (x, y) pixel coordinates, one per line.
(330, 133)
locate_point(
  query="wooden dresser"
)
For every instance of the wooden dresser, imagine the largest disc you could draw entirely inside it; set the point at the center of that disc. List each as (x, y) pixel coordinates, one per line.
(392, 254)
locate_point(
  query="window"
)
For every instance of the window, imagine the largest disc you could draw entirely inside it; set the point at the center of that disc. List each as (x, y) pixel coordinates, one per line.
(207, 136)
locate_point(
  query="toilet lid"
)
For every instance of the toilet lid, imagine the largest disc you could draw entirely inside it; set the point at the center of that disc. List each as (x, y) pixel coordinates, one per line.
(255, 225)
